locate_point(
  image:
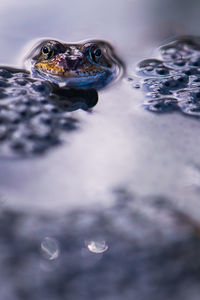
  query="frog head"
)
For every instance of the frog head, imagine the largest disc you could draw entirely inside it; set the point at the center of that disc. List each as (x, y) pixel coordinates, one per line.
(89, 64)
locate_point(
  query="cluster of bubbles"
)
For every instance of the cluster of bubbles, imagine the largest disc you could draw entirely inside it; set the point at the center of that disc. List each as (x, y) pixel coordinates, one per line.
(33, 112)
(50, 248)
(173, 82)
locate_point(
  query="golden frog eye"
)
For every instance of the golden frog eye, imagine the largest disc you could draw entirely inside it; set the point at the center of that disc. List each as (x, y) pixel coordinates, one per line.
(95, 53)
(48, 51)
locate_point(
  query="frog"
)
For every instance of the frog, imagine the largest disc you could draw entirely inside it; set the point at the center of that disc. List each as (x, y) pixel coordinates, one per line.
(89, 64)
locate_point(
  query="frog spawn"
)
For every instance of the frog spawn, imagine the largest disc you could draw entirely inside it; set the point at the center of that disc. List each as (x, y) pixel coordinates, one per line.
(33, 115)
(173, 82)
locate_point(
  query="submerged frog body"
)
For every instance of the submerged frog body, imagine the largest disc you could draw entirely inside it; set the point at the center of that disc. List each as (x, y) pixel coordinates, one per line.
(89, 64)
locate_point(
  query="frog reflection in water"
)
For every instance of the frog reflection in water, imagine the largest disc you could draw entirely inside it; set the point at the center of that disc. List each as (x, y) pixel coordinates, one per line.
(89, 64)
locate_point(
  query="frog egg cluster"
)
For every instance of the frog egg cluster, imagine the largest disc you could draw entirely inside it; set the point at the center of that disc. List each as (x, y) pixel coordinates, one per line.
(32, 116)
(173, 82)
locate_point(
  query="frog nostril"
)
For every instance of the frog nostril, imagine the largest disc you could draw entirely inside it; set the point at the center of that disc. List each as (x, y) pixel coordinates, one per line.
(73, 62)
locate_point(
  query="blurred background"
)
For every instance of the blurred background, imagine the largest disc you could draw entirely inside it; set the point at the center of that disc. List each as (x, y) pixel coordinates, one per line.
(131, 25)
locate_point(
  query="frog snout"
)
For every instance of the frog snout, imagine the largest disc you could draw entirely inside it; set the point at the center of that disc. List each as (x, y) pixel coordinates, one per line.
(73, 61)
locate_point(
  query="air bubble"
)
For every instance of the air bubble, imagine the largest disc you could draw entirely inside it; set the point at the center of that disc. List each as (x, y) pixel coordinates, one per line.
(50, 248)
(97, 246)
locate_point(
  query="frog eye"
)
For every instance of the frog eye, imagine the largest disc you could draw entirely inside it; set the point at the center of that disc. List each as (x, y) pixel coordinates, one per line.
(48, 51)
(95, 53)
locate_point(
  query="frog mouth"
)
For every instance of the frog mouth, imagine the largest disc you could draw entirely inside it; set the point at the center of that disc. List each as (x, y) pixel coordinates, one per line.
(63, 70)
(59, 71)
(81, 78)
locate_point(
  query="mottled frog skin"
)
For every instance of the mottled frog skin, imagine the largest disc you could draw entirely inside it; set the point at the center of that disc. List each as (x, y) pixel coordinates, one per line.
(88, 64)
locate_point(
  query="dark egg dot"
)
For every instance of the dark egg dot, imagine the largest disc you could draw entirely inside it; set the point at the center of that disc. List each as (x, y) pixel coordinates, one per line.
(167, 83)
(5, 73)
(4, 83)
(41, 87)
(162, 71)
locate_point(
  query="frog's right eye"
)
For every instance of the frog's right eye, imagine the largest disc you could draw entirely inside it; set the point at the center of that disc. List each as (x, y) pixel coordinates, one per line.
(95, 53)
(48, 51)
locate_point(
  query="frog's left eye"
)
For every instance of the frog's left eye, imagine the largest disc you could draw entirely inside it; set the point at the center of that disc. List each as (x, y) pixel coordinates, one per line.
(48, 51)
(95, 53)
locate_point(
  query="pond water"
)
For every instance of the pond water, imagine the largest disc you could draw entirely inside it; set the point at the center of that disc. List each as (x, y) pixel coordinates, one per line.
(119, 148)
